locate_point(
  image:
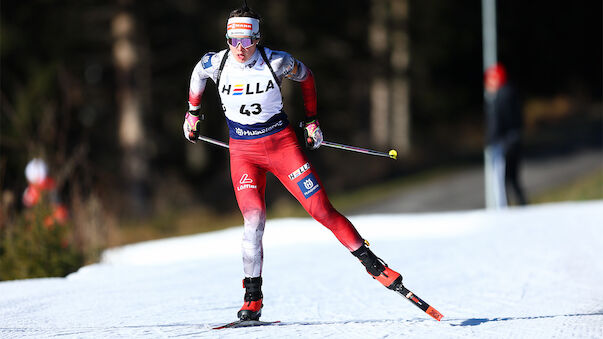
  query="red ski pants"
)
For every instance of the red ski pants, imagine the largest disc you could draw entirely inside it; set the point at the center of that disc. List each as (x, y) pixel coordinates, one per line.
(281, 155)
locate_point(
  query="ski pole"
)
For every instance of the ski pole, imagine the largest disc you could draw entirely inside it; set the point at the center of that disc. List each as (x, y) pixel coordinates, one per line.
(393, 154)
(213, 141)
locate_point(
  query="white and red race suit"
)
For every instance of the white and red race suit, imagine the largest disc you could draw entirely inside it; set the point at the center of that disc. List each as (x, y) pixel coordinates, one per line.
(262, 141)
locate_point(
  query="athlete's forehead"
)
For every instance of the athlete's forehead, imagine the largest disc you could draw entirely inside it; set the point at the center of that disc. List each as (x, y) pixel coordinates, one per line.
(243, 27)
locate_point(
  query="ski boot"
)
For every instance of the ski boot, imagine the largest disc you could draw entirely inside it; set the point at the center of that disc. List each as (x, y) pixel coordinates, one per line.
(377, 268)
(252, 307)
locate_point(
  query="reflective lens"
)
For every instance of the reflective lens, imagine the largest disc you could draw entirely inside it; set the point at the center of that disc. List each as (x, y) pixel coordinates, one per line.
(245, 42)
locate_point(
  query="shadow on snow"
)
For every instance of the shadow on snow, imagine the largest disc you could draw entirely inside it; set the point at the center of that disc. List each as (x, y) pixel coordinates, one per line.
(479, 321)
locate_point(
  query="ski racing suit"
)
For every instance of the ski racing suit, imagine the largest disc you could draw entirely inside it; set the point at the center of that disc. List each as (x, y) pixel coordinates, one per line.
(261, 141)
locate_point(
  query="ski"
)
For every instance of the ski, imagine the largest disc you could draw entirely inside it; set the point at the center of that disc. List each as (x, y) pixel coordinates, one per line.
(413, 298)
(246, 323)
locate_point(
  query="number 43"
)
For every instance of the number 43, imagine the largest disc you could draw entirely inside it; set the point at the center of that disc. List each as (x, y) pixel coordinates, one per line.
(257, 109)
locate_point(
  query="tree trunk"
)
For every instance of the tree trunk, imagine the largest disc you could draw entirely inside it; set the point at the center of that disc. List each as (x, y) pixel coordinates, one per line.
(399, 58)
(129, 57)
(379, 45)
(388, 41)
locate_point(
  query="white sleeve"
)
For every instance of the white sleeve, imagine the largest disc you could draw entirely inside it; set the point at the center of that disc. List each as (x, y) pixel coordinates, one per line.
(286, 66)
(206, 68)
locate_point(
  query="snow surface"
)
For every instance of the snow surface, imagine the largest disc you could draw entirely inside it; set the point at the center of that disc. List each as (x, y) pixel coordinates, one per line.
(532, 272)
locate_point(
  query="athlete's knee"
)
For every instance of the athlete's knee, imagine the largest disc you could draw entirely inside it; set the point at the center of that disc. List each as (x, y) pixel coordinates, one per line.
(254, 221)
(254, 218)
(324, 214)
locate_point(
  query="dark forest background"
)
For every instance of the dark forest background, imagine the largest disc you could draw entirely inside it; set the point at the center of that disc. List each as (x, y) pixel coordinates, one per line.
(65, 94)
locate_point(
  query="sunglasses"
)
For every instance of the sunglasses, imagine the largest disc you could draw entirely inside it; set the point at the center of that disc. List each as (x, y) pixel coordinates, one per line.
(245, 42)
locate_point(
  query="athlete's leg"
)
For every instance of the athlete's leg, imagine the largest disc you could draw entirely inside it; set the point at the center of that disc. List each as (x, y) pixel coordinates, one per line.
(289, 164)
(249, 183)
(317, 204)
(293, 169)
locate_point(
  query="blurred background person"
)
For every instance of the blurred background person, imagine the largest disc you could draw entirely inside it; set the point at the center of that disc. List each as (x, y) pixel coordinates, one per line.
(41, 186)
(504, 129)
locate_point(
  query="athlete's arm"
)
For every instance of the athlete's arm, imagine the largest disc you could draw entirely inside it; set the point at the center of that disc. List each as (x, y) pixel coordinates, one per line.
(193, 117)
(206, 68)
(198, 81)
(308, 88)
(295, 70)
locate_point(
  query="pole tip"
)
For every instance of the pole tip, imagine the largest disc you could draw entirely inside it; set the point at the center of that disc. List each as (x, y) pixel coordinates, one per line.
(393, 154)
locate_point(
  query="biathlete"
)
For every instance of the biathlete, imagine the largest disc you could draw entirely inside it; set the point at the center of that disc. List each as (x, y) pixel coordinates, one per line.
(248, 78)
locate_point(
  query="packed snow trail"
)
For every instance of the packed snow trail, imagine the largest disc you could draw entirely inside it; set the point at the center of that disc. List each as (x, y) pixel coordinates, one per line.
(532, 272)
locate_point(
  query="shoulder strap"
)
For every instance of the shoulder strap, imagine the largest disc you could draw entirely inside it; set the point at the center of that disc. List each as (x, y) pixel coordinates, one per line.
(222, 63)
(263, 53)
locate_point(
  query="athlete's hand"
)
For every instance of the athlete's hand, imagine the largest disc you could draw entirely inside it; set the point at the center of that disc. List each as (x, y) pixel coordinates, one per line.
(191, 126)
(312, 134)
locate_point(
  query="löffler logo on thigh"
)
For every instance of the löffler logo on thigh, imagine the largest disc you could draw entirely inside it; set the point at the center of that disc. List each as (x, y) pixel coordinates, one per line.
(246, 182)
